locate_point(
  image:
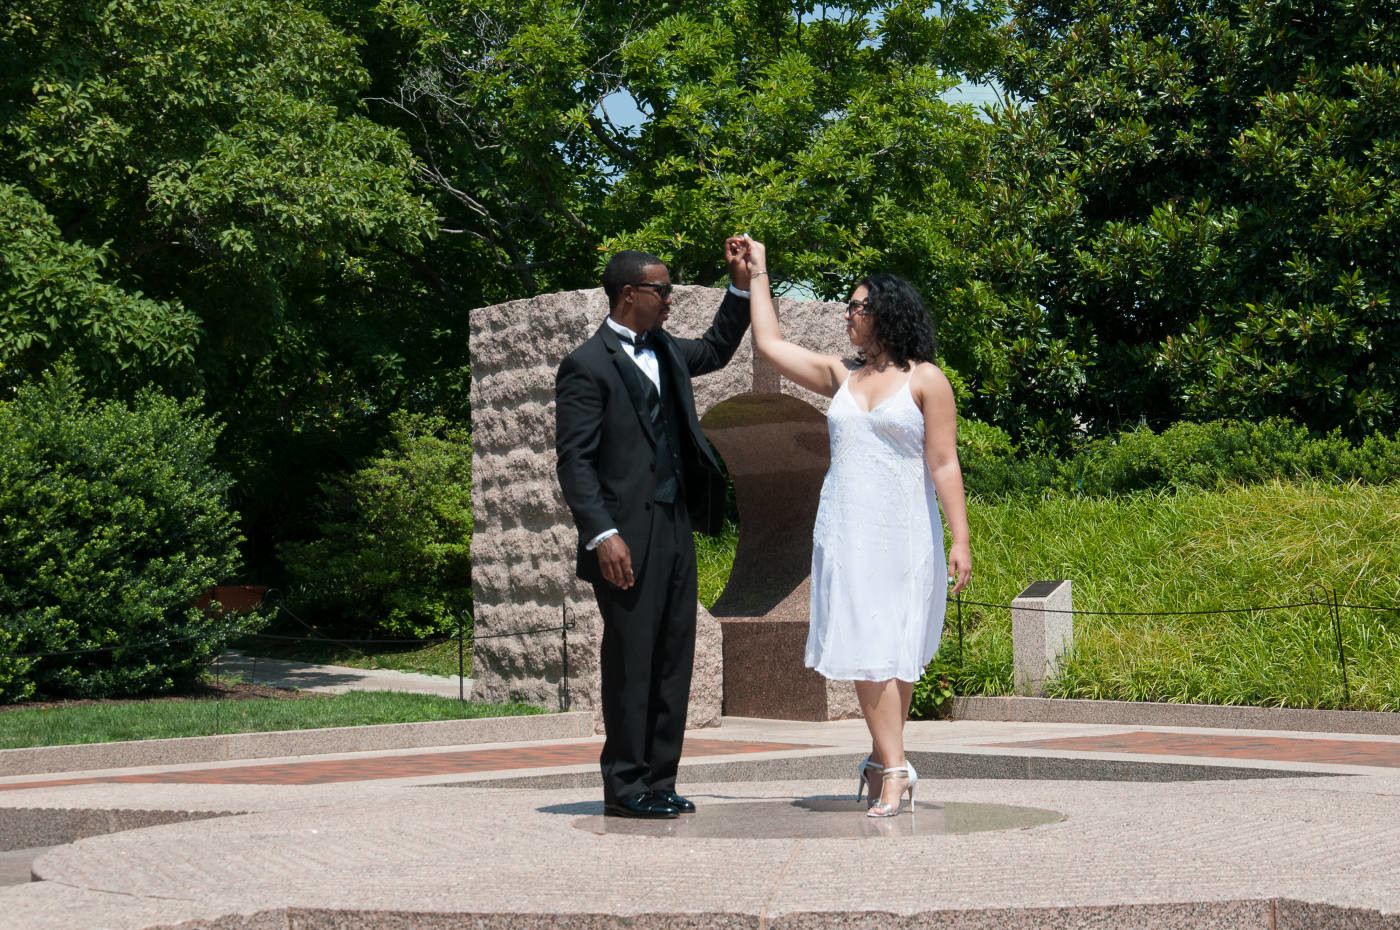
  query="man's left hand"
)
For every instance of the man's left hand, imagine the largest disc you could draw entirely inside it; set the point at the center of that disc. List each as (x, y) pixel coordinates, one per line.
(736, 250)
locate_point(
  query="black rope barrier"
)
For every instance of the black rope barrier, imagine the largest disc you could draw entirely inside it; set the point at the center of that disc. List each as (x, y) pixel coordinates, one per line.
(97, 649)
(1161, 613)
(282, 607)
(1333, 605)
(246, 634)
(1329, 599)
(346, 642)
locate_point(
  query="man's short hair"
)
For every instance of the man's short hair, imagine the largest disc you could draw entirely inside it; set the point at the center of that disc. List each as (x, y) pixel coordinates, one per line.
(624, 268)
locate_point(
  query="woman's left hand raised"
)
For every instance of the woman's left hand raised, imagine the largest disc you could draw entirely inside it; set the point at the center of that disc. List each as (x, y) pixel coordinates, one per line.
(756, 255)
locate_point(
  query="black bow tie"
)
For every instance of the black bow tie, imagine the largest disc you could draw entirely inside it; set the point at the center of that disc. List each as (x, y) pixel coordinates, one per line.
(642, 341)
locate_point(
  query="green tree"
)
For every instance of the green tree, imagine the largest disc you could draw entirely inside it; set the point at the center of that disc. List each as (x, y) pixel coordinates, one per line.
(394, 550)
(194, 197)
(55, 298)
(822, 132)
(1191, 213)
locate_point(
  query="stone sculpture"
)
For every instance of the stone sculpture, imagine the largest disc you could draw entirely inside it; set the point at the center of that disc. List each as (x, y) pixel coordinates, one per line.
(772, 437)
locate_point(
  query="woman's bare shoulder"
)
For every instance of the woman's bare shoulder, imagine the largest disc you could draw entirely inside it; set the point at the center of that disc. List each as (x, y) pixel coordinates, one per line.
(928, 380)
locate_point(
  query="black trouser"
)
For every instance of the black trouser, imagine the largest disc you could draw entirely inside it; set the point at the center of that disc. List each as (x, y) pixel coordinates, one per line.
(647, 655)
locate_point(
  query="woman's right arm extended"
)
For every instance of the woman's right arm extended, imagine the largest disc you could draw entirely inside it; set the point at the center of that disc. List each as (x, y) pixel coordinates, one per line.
(813, 370)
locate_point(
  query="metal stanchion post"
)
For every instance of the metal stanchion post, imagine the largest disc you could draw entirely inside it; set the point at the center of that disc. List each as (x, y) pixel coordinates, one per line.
(218, 660)
(1341, 648)
(564, 629)
(958, 598)
(461, 657)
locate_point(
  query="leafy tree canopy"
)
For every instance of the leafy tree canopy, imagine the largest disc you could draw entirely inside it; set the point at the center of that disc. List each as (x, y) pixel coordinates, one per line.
(1192, 214)
(215, 150)
(821, 131)
(193, 196)
(56, 295)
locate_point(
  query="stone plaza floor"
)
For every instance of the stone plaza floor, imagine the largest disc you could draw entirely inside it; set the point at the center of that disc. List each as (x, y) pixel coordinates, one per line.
(1016, 825)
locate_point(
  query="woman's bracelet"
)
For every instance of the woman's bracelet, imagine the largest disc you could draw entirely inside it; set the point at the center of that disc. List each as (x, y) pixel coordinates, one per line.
(757, 274)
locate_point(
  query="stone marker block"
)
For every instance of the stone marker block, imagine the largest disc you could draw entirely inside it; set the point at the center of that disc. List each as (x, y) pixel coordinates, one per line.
(1042, 630)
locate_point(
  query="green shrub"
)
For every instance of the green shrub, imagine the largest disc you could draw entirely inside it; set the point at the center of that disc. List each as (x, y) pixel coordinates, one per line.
(992, 467)
(1203, 455)
(1375, 461)
(1210, 456)
(984, 666)
(112, 520)
(933, 693)
(1225, 452)
(394, 556)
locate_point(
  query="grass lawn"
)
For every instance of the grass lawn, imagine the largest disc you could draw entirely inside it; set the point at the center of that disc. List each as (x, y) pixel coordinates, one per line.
(439, 659)
(1267, 544)
(109, 721)
(714, 557)
(1201, 551)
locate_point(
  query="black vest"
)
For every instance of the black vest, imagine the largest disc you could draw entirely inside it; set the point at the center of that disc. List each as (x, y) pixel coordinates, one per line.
(666, 418)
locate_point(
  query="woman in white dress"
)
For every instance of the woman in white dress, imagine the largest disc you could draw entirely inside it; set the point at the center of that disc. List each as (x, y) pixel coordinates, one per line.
(879, 581)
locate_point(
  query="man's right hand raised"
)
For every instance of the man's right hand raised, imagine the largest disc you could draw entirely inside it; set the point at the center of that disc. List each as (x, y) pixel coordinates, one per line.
(735, 254)
(615, 560)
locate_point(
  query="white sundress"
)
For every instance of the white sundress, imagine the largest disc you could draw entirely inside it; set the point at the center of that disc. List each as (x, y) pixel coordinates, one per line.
(879, 574)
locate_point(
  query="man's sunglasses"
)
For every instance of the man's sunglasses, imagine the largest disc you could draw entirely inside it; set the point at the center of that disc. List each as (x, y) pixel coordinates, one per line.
(663, 290)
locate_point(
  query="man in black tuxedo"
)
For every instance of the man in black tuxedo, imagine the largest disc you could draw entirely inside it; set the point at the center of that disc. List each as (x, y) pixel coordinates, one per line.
(637, 474)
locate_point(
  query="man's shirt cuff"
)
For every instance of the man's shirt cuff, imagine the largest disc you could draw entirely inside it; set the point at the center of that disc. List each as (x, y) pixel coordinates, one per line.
(597, 541)
(738, 293)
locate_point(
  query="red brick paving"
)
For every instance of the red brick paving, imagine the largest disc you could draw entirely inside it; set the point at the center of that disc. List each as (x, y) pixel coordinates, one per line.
(1228, 746)
(467, 761)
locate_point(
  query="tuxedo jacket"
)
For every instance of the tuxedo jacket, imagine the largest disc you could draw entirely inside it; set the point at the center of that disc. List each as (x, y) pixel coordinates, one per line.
(606, 442)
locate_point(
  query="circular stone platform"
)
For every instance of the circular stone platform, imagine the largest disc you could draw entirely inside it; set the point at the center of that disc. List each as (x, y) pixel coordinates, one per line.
(823, 817)
(1286, 853)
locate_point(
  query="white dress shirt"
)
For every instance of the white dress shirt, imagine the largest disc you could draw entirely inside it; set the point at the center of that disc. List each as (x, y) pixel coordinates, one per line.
(645, 357)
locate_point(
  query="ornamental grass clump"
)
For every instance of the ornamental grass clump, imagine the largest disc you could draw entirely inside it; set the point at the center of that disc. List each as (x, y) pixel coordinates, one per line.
(1210, 551)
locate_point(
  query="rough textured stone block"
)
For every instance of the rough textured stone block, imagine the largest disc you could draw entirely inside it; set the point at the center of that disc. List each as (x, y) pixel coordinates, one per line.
(770, 433)
(1042, 630)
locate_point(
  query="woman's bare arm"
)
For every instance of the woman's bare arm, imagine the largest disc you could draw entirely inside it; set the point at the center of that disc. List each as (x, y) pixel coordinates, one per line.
(934, 395)
(813, 370)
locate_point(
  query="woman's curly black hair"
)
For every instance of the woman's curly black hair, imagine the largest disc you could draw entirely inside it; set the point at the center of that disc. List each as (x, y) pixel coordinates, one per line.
(901, 323)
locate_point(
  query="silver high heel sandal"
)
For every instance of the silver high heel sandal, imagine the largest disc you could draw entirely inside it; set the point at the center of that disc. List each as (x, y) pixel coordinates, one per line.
(866, 784)
(880, 808)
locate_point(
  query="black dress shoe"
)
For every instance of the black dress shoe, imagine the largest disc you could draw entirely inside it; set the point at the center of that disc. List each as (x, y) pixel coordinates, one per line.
(646, 805)
(684, 805)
